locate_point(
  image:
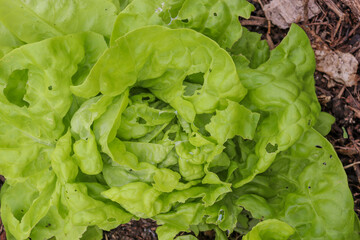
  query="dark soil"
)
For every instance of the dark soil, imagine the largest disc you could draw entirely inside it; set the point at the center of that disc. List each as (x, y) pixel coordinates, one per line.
(335, 98)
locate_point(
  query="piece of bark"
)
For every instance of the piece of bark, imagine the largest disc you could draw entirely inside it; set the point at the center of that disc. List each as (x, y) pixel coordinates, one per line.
(342, 67)
(284, 12)
(354, 5)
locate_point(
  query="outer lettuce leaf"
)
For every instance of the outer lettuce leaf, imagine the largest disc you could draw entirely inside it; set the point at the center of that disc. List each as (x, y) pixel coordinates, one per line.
(35, 98)
(55, 224)
(224, 214)
(87, 209)
(271, 229)
(23, 205)
(252, 47)
(283, 90)
(92, 233)
(76, 206)
(175, 222)
(7, 40)
(36, 20)
(306, 187)
(323, 123)
(186, 237)
(215, 19)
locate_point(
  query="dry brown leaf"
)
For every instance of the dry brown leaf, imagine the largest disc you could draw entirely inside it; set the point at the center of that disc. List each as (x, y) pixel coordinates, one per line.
(346, 151)
(284, 12)
(354, 5)
(342, 67)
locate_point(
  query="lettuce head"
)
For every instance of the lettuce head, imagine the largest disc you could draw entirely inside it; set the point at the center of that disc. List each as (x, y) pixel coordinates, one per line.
(113, 110)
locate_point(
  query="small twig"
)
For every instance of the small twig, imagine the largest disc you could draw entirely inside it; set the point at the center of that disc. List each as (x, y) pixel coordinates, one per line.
(351, 165)
(342, 40)
(357, 171)
(341, 92)
(354, 5)
(338, 12)
(353, 99)
(333, 34)
(268, 37)
(318, 23)
(354, 49)
(261, 4)
(354, 29)
(306, 11)
(334, 8)
(356, 167)
(254, 22)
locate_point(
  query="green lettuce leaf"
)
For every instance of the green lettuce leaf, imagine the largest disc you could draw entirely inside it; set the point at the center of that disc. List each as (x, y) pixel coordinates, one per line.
(271, 229)
(306, 187)
(8, 41)
(323, 123)
(215, 19)
(24, 204)
(188, 47)
(283, 91)
(35, 98)
(36, 20)
(252, 47)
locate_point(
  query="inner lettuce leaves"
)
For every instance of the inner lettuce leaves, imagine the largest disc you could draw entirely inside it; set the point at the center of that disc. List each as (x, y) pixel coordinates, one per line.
(113, 110)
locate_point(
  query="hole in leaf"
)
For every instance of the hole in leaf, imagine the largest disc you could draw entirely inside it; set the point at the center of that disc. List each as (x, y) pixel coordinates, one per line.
(50, 88)
(141, 120)
(16, 87)
(324, 163)
(192, 83)
(201, 120)
(138, 90)
(172, 136)
(318, 146)
(271, 148)
(215, 14)
(185, 20)
(195, 78)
